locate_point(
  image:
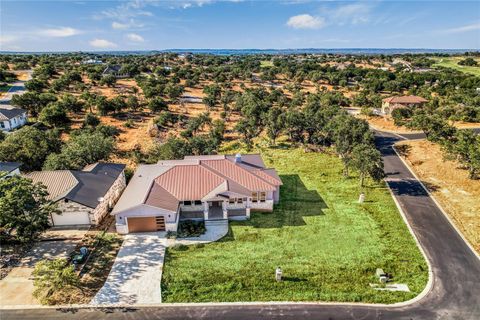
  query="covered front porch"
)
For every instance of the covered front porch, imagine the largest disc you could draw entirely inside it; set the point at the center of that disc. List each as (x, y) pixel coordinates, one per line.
(215, 210)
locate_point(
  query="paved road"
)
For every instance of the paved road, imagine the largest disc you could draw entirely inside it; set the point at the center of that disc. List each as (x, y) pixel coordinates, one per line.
(416, 136)
(18, 87)
(456, 273)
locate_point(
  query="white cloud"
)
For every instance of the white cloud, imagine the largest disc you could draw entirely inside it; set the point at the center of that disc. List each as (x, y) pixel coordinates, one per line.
(125, 11)
(467, 28)
(4, 39)
(102, 43)
(306, 21)
(354, 13)
(135, 37)
(59, 32)
(126, 25)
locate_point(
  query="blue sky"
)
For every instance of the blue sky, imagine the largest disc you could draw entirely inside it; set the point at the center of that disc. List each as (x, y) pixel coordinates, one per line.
(37, 25)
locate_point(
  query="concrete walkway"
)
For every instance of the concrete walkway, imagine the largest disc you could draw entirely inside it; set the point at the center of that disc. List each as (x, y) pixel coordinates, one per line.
(137, 271)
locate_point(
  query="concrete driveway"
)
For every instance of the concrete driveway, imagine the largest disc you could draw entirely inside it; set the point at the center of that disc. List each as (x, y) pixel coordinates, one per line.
(137, 271)
(17, 287)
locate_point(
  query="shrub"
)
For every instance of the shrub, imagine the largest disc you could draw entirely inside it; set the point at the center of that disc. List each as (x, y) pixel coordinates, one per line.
(191, 228)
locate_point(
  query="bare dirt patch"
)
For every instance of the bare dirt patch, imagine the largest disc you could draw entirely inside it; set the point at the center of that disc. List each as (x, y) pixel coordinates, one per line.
(385, 124)
(450, 185)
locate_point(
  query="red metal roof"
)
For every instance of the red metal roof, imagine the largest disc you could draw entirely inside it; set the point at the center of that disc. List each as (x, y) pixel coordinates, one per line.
(189, 182)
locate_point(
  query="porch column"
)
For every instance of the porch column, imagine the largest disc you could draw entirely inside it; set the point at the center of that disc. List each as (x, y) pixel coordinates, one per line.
(247, 209)
(224, 208)
(205, 210)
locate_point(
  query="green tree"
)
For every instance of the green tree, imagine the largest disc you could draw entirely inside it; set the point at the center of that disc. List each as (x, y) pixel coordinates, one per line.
(33, 102)
(91, 120)
(25, 208)
(108, 80)
(82, 149)
(30, 146)
(368, 161)
(53, 115)
(275, 122)
(157, 104)
(465, 147)
(51, 276)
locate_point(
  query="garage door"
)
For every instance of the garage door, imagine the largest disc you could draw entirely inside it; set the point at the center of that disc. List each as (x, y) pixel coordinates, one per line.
(70, 218)
(146, 224)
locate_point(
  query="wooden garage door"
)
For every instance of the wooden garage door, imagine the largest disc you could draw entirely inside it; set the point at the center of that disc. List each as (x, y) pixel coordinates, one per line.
(146, 224)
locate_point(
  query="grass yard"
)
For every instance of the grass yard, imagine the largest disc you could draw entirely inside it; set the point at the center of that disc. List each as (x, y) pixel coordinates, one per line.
(266, 63)
(452, 62)
(327, 244)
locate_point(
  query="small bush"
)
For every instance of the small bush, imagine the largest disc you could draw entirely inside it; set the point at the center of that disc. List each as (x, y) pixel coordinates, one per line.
(190, 228)
(129, 123)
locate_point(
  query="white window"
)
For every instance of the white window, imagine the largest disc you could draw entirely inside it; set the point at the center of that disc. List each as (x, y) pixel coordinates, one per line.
(198, 202)
(231, 200)
(254, 196)
(187, 203)
(263, 196)
(239, 200)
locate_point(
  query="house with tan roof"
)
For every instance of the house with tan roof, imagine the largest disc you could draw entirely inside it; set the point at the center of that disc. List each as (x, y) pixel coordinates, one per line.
(396, 102)
(83, 197)
(210, 187)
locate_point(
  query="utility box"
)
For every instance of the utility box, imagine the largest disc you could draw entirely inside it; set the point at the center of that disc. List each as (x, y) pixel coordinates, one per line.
(382, 276)
(278, 274)
(361, 199)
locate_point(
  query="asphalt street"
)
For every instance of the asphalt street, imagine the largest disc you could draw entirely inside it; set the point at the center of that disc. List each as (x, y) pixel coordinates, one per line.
(455, 293)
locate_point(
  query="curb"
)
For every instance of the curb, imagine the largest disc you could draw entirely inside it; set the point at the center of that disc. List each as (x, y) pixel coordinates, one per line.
(419, 297)
(437, 204)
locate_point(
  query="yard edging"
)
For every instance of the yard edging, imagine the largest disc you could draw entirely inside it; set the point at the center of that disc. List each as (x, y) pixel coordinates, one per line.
(437, 203)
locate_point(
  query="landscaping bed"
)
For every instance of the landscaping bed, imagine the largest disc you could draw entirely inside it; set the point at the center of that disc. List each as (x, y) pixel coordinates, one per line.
(327, 244)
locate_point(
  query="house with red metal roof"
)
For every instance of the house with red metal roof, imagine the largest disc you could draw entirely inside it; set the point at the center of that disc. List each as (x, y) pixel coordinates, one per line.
(209, 187)
(396, 102)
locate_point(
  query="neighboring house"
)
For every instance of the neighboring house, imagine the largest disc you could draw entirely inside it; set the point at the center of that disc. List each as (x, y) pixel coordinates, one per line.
(92, 61)
(392, 103)
(83, 197)
(199, 187)
(9, 169)
(114, 70)
(12, 118)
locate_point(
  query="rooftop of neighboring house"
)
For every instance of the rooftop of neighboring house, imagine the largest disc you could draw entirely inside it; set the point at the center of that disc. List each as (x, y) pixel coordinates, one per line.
(405, 99)
(165, 184)
(85, 186)
(10, 113)
(9, 166)
(112, 69)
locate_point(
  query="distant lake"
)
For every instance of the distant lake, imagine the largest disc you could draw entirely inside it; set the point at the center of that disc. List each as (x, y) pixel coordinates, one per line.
(228, 52)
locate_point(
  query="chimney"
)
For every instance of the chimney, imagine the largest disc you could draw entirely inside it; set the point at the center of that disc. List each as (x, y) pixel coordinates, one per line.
(238, 158)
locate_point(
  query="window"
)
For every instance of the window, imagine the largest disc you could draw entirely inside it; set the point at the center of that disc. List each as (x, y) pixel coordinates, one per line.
(231, 200)
(239, 200)
(254, 196)
(2, 125)
(198, 202)
(187, 203)
(263, 196)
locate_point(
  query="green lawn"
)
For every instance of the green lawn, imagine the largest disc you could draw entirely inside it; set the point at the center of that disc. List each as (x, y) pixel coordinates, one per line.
(327, 244)
(266, 63)
(452, 62)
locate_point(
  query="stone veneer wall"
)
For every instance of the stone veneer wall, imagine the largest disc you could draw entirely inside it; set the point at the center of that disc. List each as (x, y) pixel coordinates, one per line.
(109, 200)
